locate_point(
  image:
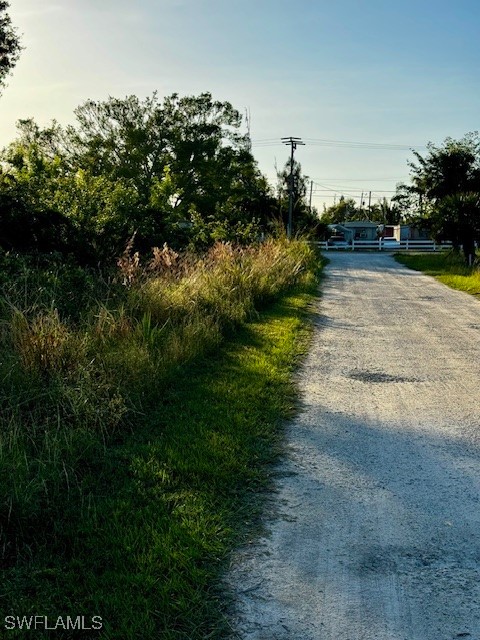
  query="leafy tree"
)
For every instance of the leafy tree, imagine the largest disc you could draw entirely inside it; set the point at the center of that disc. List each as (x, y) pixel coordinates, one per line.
(388, 212)
(182, 155)
(29, 182)
(23, 228)
(45, 189)
(120, 139)
(447, 182)
(9, 44)
(343, 211)
(205, 148)
(409, 202)
(175, 171)
(135, 139)
(457, 217)
(34, 161)
(303, 219)
(249, 195)
(286, 175)
(447, 170)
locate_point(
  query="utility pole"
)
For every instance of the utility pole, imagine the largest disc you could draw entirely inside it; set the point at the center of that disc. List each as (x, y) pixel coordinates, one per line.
(293, 142)
(311, 192)
(248, 121)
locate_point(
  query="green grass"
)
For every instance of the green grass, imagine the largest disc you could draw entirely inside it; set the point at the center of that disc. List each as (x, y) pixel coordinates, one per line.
(140, 528)
(448, 268)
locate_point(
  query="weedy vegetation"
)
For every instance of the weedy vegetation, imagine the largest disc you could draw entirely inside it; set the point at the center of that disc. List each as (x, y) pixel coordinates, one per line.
(138, 419)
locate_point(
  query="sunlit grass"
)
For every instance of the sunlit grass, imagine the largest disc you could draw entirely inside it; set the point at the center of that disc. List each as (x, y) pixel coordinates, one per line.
(448, 268)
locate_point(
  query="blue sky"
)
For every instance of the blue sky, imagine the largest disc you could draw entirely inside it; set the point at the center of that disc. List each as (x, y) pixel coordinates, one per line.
(375, 71)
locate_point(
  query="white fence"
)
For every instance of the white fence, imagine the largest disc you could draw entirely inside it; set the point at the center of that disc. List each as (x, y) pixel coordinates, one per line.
(385, 245)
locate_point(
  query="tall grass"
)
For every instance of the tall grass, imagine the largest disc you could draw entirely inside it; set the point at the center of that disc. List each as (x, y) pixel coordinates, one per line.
(79, 378)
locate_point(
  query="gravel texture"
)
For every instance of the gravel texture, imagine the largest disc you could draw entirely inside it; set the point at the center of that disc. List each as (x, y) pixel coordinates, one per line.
(374, 527)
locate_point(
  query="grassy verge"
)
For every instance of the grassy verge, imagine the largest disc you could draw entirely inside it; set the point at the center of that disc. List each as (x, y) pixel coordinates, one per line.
(131, 520)
(448, 268)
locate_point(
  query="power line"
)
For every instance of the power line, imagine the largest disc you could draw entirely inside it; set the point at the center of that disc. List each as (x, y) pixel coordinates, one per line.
(325, 191)
(348, 144)
(362, 145)
(366, 179)
(339, 189)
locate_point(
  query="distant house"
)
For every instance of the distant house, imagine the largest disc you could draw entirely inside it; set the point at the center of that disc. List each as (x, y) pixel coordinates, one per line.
(356, 230)
(418, 233)
(406, 232)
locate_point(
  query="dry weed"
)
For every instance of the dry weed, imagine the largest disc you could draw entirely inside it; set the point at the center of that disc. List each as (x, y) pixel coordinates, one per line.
(45, 345)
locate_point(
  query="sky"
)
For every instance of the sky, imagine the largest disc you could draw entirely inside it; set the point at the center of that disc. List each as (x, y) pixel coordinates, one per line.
(387, 76)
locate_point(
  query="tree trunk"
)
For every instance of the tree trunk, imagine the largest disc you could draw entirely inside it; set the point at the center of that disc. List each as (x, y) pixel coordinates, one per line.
(468, 244)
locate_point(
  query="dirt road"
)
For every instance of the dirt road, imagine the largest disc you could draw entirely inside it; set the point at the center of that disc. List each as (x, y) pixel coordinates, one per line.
(375, 526)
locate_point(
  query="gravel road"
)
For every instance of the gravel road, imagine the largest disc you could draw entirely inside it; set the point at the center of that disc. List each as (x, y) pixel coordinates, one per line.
(374, 530)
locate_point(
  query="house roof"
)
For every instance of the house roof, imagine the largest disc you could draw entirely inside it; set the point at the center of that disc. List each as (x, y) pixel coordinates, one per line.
(356, 224)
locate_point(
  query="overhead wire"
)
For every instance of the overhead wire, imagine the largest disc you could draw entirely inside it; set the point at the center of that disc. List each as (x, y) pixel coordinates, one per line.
(361, 145)
(326, 191)
(349, 144)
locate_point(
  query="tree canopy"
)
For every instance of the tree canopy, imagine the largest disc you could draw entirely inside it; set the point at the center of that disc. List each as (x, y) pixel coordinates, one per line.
(445, 186)
(177, 170)
(303, 218)
(342, 211)
(9, 43)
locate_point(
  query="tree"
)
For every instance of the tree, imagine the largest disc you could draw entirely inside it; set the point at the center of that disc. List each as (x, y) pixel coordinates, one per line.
(120, 138)
(408, 202)
(183, 155)
(205, 148)
(343, 211)
(303, 219)
(9, 44)
(47, 192)
(388, 213)
(135, 139)
(447, 182)
(172, 171)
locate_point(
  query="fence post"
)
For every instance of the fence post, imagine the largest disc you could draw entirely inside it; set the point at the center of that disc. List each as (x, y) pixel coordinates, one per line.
(353, 244)
(406, 246)
(380, 244)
